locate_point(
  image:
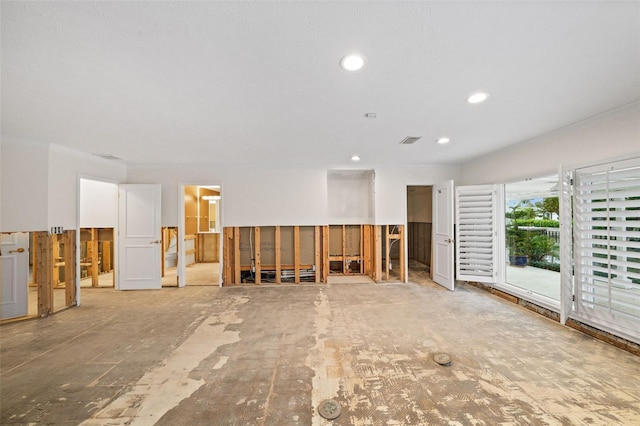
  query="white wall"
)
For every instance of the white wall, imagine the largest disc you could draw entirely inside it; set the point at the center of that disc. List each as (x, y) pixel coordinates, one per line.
(609, 136)
(391, 189)
(40, 184)
(295, 196)
(65, 166)
(24, 170)
(350, 197)
(250, 197)
(98, 204)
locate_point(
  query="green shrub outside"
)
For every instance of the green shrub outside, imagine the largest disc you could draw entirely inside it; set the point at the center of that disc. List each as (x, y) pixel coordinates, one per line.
(545, 265)
(538, 223)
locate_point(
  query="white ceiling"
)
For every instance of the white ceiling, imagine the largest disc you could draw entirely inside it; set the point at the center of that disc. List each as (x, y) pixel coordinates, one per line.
(259, 83)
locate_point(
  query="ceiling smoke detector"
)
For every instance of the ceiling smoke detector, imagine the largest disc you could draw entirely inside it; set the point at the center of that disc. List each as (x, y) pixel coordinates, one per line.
(410, 140)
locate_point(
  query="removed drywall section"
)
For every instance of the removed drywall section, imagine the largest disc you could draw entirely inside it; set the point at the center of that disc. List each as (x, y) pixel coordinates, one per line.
(271, 254)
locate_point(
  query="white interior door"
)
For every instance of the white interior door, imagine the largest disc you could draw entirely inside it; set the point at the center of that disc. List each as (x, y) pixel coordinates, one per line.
(14, 256)
(443, 259)
(139, 238)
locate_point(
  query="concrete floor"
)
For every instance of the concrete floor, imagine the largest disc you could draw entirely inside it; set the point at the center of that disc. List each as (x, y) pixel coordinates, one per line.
(267, 355)
(537, 280)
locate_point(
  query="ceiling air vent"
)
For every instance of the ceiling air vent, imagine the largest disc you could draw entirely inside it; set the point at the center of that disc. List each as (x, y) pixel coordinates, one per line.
(108, 156)
(410, 140)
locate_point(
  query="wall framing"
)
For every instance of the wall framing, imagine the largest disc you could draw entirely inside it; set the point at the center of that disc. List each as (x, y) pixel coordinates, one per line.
(297, 254)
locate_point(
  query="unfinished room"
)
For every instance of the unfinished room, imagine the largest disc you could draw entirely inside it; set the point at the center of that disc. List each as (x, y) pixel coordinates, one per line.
(320, 213)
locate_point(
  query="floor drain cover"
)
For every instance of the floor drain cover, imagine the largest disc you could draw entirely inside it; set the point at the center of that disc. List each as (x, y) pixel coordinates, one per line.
(329, 409)
(442, 359)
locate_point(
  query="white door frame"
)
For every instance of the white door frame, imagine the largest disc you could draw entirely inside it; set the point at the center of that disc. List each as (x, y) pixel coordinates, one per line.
(181, 270)
(406, 224)
(78, 228)
(446, 237)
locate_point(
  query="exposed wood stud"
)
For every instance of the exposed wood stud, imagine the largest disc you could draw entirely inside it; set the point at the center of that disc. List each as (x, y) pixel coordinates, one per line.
(44, 266)
(325, 253)
(366, 250)
(34, 258)
(345, 269)
(361, 249)
(296, 249)
(318, 253)
(106, 256)
(258, 274)
(95, 258)
(378, 254)
(387, 253)
(236, 255)
(163, 245)
(402, 254)
(225, 256)
(278, 256)
(69, 240)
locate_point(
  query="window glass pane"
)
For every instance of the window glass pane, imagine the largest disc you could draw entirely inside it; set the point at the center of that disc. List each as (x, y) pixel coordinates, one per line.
(533, 236)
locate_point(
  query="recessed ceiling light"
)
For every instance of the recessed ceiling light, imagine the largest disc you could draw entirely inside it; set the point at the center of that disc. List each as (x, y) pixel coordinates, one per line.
(352, 62)
(476, 98)
(443, 140)
(355, 158)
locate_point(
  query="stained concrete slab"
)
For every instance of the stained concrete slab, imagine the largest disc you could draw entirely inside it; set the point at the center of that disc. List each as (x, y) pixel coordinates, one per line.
(268, 355)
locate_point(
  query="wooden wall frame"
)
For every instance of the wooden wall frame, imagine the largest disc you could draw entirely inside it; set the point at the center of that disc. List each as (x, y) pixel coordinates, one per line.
(288, 239)
(44, 267)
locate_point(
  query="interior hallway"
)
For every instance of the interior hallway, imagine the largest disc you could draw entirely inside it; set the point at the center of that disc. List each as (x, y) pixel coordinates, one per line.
(267, 355)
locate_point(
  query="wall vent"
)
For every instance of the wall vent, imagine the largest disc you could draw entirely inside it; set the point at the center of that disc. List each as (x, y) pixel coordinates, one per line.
(108, 156)
(410, 140)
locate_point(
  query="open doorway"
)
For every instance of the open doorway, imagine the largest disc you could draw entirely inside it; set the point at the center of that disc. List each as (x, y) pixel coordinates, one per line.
(419, 224)
(97, 258)
(98, 217)
(201, 238)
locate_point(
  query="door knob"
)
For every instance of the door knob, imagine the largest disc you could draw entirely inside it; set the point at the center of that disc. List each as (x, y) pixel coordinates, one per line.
(19, 250)
(155, 242)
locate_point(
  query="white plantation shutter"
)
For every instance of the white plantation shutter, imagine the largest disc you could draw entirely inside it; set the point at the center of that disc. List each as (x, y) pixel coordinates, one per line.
(566, 242)
(476, 233)
(607, 246)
